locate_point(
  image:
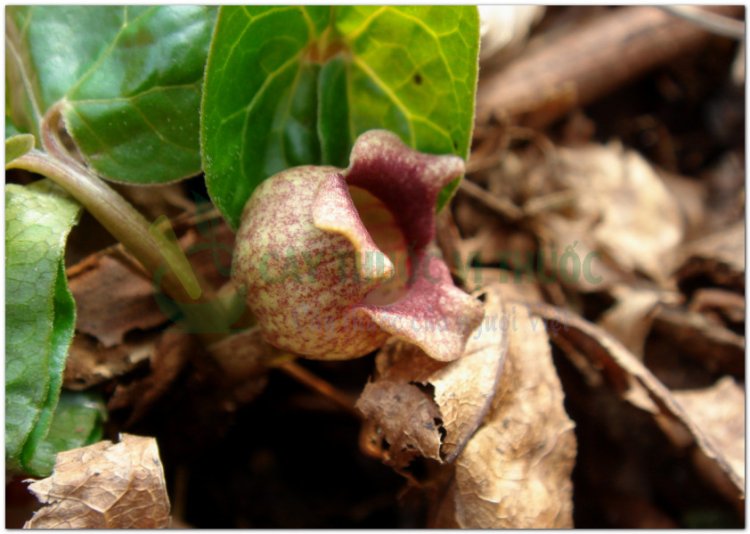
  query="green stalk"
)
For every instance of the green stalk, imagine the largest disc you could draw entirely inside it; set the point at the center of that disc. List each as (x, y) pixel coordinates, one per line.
(115, 213)
(121, 219)
(156, 248)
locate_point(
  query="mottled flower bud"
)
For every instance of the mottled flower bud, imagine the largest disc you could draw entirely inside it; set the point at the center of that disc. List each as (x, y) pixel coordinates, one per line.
(336, 260)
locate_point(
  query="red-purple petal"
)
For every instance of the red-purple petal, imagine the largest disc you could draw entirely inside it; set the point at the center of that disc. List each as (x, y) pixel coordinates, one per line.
(405, 180)
(434, 315)
(333, 211)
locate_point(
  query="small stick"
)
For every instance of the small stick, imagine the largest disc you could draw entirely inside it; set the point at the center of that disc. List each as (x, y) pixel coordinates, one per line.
(713, 22)
(320, 386)
(502, 206)
(587, 62)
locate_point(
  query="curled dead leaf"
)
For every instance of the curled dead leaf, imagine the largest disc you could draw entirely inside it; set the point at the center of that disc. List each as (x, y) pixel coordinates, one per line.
(448, 400)
(623, 217)
(720, 412)
(630, 319)
(104, 485)
(724, 306)
(112, 340)
(515, 470)
(694, 336)
(719, 256)
(635, 384)
(691, 197)
(408, 421)
(89, 363)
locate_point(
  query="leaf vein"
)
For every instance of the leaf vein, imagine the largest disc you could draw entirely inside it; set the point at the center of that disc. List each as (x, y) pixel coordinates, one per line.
(157, 132)
(150, 90)
(261, 90)
(433, 34)
(366, 23)
(108, 52)
(389, 92)
(94, 134)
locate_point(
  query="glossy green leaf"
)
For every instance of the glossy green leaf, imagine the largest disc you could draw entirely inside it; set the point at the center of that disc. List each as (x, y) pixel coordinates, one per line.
(78, 421)
(39, 312)
(17, 145)
(130, 77)
(291, 85)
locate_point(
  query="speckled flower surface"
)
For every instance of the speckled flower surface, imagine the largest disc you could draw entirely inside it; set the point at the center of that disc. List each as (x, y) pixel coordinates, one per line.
(335, 261)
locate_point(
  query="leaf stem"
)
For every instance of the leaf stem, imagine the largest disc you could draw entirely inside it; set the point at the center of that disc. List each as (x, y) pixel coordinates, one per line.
(149, 245)
(115, 213)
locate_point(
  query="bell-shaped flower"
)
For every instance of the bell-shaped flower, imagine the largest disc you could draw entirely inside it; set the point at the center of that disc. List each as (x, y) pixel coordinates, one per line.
(335, 261)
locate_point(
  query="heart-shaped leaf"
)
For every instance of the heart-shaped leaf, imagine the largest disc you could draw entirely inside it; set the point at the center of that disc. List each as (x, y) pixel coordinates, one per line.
(130, 78)
(39, 312)
(293, 85)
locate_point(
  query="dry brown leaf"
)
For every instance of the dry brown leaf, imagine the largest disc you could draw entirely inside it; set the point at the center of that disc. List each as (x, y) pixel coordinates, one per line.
(635, 384)
(112, 298)
(489, 238)
(577, 59)
(694, 336)
(113, 339)
(720, 411)
(104, 485)
(722, 305)
(719, 256)
(622, 212)
(726, 184)
(89, 363)
(459, 392)
(479, 277)
(559, 232)
(170, 356)
(515, 471)
(630, 319)
(691, 197)
(403, 420)
(460, 253)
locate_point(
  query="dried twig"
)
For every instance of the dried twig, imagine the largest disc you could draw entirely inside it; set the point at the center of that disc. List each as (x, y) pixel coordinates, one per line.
(587, 62)
(713, 22)
(320, 386)
(502, 206)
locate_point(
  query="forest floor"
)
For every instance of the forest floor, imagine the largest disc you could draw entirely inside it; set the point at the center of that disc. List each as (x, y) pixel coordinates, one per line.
(605, 199)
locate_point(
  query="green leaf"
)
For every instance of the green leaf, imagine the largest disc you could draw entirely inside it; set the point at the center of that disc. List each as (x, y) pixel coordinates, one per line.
(292, 85)
(78, 421)
(17, 146)
(39, 312)
(10, 128)
(130, 77)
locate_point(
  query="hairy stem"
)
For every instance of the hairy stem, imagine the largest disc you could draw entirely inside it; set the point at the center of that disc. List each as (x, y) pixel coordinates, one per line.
(119, 217)
(144, 240)
(154, 245)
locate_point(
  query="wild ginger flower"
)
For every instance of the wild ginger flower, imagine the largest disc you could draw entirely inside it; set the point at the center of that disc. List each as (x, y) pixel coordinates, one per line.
(337, 260)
